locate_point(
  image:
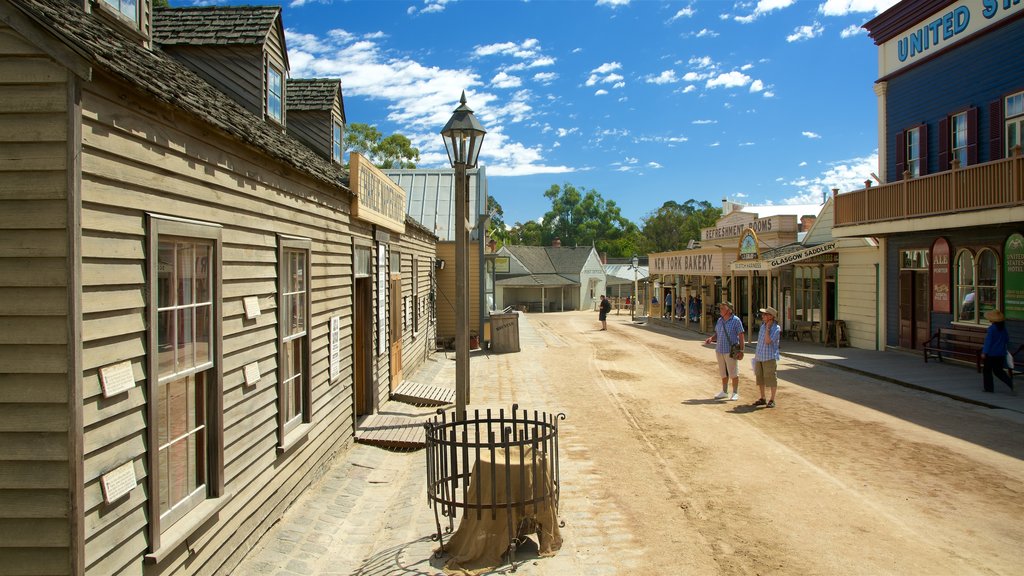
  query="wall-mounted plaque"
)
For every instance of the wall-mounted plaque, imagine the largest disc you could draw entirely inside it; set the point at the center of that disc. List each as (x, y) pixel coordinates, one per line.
(252, 373)
(118, 482)
(117, 378)
(252, 306)
(335, 347)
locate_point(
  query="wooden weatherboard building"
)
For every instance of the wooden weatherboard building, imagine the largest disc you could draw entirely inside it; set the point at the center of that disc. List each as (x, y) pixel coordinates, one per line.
(191, 312)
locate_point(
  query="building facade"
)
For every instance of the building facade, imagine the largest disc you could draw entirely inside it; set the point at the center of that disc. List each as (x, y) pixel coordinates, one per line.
(949, 210)
(193, 303)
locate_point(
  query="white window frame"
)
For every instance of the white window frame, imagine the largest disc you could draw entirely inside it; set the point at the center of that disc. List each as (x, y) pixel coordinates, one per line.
(1013, 119)
(119, 7)
(958, 139)
(337, 136)
(295, 404)
(275, 98)
(913, 152)
(168, 528)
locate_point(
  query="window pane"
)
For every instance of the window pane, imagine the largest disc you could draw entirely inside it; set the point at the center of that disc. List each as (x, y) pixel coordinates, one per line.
(182, 451)
(165, 275)
(166, 337)
(186, 337)
(987, 268)
(273, 93)
(204, 335)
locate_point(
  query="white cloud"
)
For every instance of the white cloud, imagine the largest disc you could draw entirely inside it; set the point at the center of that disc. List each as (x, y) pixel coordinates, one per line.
(600, 93)
(618, 85)
(705, 33)
(563, 132)
(732, 79)
(714, 145)
(653, 165)
(606, 68)
(545, 77)
(503, 80)
(769, 94)
(666, 77)
(764, 7)
(756, 86)
(689, 89)
(687, 12)
(694, 76)
(811, 135)
(613, 3)
(851, 31)
(702, 122)
(845, 175)
(802, 164)
(701, 62)
(844, 7)
(807, 32)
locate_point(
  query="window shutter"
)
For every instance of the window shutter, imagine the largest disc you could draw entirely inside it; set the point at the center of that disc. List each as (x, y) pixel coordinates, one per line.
(945, 138)
(972, 136)
(995, 130)
(924, 149)
(901, 153)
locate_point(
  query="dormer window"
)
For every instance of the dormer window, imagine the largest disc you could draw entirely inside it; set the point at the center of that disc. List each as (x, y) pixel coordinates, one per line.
(336, 133)
(127, 8)
(274, 93)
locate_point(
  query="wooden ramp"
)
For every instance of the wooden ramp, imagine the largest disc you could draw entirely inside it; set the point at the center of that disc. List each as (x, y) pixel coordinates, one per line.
(423, 394)
(393, 431)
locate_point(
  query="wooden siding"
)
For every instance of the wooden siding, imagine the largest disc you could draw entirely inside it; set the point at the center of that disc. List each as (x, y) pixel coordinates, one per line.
(419, 248)
(445, 300)
(970, 75)
(234, 70)
(312, 128)
(857, 295)
(36, 448)
(141, 158)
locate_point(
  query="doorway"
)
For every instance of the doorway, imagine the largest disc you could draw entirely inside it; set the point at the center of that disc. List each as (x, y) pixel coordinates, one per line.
(362, 353)
(395, 333)
(915, 297)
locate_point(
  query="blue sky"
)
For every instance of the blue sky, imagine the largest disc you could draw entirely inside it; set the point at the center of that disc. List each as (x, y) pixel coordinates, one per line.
(767, 102)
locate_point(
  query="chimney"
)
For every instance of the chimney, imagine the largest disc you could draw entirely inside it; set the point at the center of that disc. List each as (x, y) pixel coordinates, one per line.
(806, 222)
(556, 243)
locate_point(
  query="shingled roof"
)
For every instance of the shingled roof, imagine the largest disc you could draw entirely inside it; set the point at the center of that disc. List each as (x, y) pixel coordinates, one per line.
(551, 259)
(206, 25)
(171, 83)
(313, 93)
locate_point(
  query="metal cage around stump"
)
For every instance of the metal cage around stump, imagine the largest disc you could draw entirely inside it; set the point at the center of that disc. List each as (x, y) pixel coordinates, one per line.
(498, 443)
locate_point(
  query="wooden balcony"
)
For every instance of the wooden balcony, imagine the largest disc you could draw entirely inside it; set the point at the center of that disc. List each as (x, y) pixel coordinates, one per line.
(997, 184)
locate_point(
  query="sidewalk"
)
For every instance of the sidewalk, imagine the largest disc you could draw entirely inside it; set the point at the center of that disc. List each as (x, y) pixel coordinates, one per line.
(954, 380)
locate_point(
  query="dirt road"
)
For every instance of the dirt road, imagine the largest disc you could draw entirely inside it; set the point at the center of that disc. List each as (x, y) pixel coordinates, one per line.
(846, 476)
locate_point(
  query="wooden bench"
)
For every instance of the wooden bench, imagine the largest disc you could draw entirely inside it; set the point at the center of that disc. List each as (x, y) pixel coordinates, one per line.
(801, 327)
(956, 344)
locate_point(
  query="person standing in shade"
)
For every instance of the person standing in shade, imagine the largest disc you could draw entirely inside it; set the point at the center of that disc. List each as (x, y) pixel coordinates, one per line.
(605, 308)
(993, 352)
(766, 356)
(728, 334)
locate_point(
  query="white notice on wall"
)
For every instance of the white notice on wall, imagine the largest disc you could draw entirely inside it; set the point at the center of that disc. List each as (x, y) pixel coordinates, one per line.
(252, 373)
(335, 347)
(118, 482)
(252, 306)
(117, 378)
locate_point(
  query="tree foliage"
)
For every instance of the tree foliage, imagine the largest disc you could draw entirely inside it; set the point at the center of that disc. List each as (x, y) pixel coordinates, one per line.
(673, 225)
(394, 151)
(496, 228)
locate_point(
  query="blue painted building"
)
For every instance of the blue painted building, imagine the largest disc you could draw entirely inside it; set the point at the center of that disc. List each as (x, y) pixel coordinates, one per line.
(949, 207)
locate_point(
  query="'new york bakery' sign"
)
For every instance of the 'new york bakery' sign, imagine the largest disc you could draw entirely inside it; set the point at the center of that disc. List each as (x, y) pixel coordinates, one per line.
(688, 262)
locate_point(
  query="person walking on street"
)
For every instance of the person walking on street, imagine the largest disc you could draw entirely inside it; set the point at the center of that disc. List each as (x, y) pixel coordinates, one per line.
(993, 352)
(728, 340)
(766, 356)
(605, 308)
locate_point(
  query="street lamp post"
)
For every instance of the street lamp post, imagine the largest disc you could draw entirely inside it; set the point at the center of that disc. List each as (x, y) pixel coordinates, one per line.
(462, 136)
(636, 291)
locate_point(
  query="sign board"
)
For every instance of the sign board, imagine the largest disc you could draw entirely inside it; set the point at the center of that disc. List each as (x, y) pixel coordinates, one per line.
(382, 298)
(941, 277)
(695, 262)
(379, 200)
(251, 373)
(335, 347)
(1013, 274)
(502, 265)
(760, 225)
(118, 482)
(117, 378)
(937, 32)
(812, 253)
(749, 248)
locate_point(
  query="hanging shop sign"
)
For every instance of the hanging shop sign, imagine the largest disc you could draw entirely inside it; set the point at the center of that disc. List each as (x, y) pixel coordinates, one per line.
(749, 249)
(1013, 272)
(687, 262)
(812, 253)
(378, 199)
(941, 277)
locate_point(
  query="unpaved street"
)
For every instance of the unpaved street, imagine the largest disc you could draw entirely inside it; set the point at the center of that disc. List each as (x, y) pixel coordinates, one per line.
(846, 476)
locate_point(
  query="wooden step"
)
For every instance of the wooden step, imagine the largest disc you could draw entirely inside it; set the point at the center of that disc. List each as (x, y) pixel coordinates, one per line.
(392, 431)
(423, 394)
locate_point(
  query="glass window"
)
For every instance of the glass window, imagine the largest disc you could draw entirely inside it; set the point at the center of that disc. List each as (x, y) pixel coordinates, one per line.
(977, 282)
(127, 8)
(336, 140)
(1014, 118)
(274, 93)
(965, 289)
(913, 144)
(186, 462)
(914, 259)
(294, 333)
(958, 139)
(807, 293)
(988, 282)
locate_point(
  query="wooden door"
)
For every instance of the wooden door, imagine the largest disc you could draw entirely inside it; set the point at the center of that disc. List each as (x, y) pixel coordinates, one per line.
(906, 311)
(362, 354)
(396, 332)
(922, 304)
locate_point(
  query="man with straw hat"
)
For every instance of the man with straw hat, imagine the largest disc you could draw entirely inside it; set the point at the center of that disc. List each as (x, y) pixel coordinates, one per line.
(766, 356)
(993, 352)
(728, 341)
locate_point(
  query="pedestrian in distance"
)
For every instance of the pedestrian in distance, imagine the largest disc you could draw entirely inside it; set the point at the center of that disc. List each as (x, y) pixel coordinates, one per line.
(728, 341)
(603, 310)
(766, 356)
(993, 351)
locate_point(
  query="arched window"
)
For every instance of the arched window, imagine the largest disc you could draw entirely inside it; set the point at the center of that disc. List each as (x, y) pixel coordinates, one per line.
(977, 284)
(965, 289)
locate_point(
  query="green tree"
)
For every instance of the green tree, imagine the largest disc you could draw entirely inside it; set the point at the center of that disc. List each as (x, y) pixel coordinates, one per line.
(394, 151)
(161, 4)
(496, 227)
(673, 225)
(529, 233)
(583, 218)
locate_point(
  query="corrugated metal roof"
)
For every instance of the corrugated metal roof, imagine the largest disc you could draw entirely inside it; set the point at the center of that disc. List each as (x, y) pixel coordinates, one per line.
(431, 198)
